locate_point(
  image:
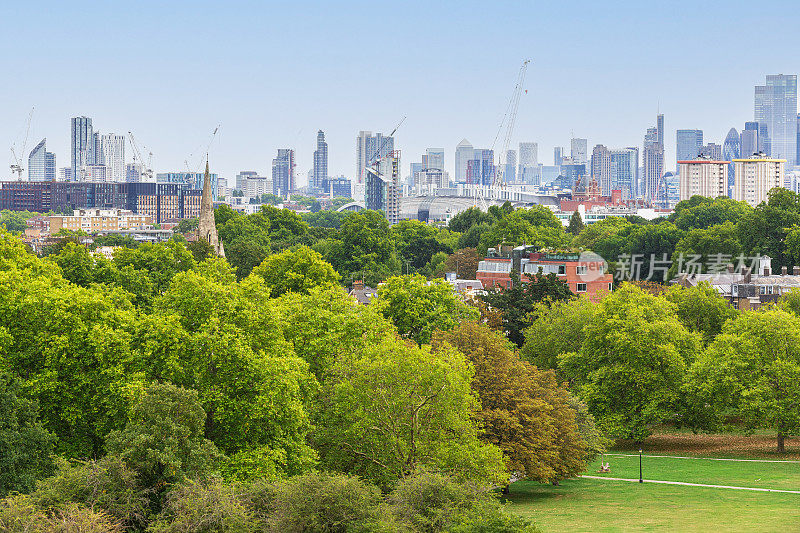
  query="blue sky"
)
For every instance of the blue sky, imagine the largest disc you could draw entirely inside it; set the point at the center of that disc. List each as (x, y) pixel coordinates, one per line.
(273, 73)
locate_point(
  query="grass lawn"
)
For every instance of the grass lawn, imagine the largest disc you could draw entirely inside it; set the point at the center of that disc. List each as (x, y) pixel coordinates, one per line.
(600, 505)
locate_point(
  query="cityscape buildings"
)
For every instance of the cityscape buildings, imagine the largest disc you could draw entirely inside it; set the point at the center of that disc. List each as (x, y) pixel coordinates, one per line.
(711, 151)
(369, 149)
(81, 145)
(755, 176)
(529, 163)
(480, 169)
(688, 145)
(112, 156)
(731, 149)
(579, 151)
(464, 154)
(776, 109)
(703, 177)
(653, 160)
(41, 163)
(283, 167)
(320, 170)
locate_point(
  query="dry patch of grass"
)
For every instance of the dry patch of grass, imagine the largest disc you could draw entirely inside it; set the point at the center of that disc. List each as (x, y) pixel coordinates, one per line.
(758, 446)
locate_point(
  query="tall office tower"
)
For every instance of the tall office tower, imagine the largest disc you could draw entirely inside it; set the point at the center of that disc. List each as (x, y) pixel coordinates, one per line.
(528, 162)
(711, 151)
(510, 167)
(688, 145)
(798, 137)
(731, 149)
(653, 161)
(601, 168)
(748, 140)
(776, 108)
(578, 151)
(433, 159)
(320, 171)
(755, 177)
(480, 169)
(558, 155)
(369, 149)
(81, 145)
(382, 186)
(243, 175)
(464, 154)
(41, 163)
(703, 177)
(625, 171)
(283, 172)
(133, 172)
(112, 155)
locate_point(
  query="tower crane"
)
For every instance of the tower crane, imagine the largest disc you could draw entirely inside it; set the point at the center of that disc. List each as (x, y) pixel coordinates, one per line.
(147, 171)
(18, 159)
(509, 118)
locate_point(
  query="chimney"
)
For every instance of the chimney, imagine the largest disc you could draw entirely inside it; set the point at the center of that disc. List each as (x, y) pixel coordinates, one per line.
(730, 268)
(747, 275)
(784, 271)
(358, 285)
(796, 270)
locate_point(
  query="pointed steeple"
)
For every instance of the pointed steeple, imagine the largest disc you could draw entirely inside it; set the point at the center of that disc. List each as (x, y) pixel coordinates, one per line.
(206, 227)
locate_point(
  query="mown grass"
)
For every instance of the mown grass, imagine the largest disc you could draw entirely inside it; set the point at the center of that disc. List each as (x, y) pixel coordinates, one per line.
(605, 505)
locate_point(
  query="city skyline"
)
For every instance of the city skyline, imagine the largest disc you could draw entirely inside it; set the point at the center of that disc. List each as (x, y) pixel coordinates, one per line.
(172, 113)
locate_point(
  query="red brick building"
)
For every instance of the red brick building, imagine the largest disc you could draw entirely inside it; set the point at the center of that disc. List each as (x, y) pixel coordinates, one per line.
(584, 273)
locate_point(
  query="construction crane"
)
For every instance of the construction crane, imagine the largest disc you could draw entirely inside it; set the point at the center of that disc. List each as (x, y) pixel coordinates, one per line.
(509, 118)
(18, 159)
(147, 171)
(373, 161)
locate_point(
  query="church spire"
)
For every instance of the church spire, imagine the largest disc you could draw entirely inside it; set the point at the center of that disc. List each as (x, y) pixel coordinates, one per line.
(206, 227)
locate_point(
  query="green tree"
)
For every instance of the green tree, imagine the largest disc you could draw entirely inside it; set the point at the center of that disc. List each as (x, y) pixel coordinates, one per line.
(163, 439)
(472, 216)
(77, 264)
(161, 261)
(766, 229)
(525, 226)
(517, 302)
(15, 221)
(701, 309)
(524, 411)
(187, 225)
(417, 242)
(295, 270)
(753, 369)
(399, 407)
(576, 224)
(419, 307)
(25, 446)
(632, 363)
(557, 327)
(715, 245)
(363, 249)
(700, 212)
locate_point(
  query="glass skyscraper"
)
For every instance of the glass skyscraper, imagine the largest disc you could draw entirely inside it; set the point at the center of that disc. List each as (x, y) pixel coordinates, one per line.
(776, 108)
(81, 145)
(41, 163)
(688, 145)
(320, 172)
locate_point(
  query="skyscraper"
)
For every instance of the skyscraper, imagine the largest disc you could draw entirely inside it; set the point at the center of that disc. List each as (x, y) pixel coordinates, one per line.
(382, 186)
(688, 145)
(81, 145)
(529, 163)
(283, 172)
(480, 169)
(369, 149)
(653, 160)
(711, 151)
(112, 156)
(464, 154)
(558, 155)
(748, 140)
(510, 167)
(41, 163)
(601, 168)
(776, 108)
(755, 177)
(731, 149)
(625, 171)
(578, 151)
(320, 172)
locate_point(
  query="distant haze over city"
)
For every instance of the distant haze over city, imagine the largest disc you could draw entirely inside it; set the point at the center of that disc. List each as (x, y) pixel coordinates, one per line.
(272, 75)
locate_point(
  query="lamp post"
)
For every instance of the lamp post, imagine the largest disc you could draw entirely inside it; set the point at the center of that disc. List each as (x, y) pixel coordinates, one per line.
(640, 466)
